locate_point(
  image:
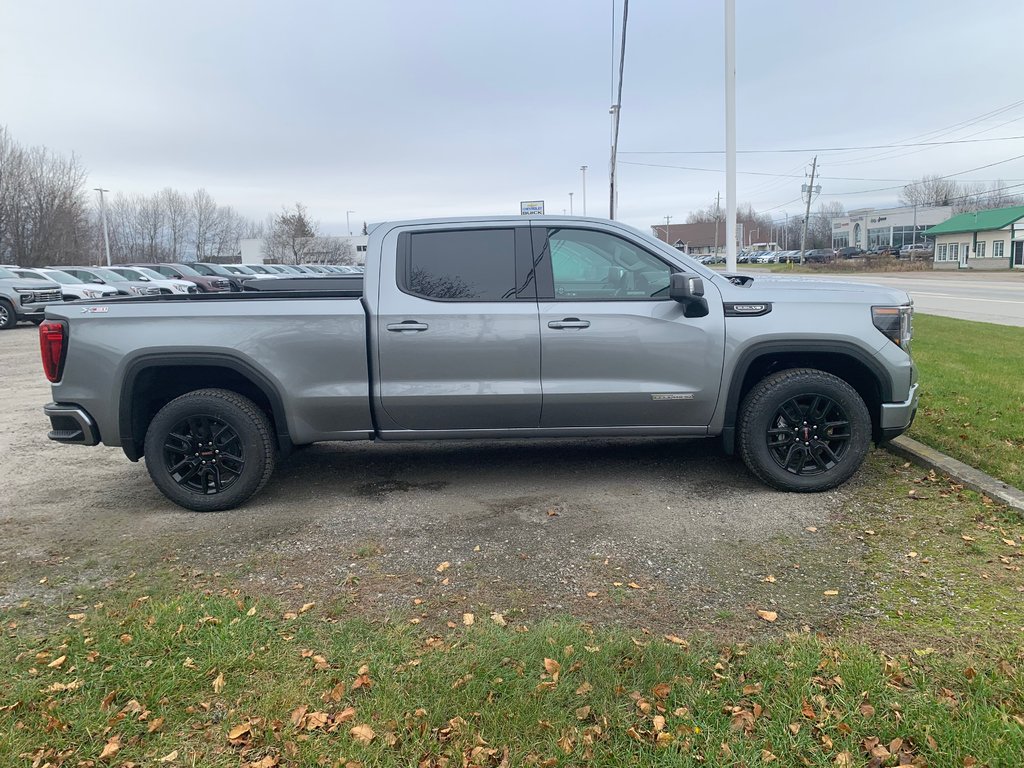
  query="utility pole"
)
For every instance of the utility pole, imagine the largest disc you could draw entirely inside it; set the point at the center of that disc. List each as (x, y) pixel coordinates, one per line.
(348, 226)
(616, 113)
(730, 135)
(807, 213)
(667, 220)
(785, 233)
(583, 169)
(915, 230)
(103, 217)
(718, 213)
(570, 203)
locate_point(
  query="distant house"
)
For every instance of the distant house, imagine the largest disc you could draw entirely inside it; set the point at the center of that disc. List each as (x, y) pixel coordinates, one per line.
(991, 239)
(695, 239)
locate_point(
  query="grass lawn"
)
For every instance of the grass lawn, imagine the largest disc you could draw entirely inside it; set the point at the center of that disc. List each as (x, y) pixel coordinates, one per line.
(972, 393)
(217, 680)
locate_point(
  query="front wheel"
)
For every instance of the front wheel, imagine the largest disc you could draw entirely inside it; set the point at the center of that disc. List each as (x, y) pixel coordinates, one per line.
(8, 319)
(209, 450)
(803, 430)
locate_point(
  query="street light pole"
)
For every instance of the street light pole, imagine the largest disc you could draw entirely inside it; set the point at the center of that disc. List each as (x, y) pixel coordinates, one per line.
(103, 218)
(583, 169)
(730, 135)
(348, 224)
(570, 203)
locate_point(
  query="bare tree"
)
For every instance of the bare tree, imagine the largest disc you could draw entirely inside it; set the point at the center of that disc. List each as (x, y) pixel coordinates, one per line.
(176, 212)
(288, 234)
(42, 205)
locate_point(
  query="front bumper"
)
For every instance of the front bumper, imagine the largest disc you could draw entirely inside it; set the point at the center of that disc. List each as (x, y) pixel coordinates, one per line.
(896, 418)
(71, 424)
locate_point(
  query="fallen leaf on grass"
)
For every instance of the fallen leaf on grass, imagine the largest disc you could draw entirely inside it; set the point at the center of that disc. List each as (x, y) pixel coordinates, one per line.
(468, 619)
(364, 734)
(218, 683)
(56, 663)
(768, 616)
(307, 607)
(844, 760)
(676, 640)
(498, 619)
(170, 757)
(584, 689)
(553, 668)
(155, 725)
(111, 748)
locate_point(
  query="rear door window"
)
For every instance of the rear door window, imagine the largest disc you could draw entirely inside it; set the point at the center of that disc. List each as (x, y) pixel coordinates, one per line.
(462, 265)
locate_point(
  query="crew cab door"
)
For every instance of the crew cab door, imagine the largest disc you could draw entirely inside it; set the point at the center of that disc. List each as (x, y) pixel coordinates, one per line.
(616, 351)
(458, 345)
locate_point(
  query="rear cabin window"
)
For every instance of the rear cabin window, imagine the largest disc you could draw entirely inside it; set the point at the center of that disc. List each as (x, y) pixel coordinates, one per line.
(468, 265)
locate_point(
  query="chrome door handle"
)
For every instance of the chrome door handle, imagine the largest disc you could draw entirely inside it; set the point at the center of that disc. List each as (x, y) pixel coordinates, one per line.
(407, 325)
(569, 322)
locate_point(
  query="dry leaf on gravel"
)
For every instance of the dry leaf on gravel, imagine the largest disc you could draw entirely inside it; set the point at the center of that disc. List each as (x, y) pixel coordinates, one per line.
(768, 616)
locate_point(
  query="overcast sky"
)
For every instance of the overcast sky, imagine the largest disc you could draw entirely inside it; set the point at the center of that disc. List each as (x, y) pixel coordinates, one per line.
(397, 109)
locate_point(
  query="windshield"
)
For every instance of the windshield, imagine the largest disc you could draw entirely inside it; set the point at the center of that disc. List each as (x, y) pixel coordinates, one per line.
(108, 275)
(186, 270)
(152, 274)
(60, 277)
(212, 269)
(238, 269)
(5, 273)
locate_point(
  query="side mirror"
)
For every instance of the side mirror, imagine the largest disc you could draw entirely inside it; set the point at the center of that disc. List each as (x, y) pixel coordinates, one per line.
(97, 281)
(143, 278)
(688, 290)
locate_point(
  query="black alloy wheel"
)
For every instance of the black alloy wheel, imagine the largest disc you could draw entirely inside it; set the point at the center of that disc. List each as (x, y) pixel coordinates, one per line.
(809, 434)
(204, 454)
(210, 449)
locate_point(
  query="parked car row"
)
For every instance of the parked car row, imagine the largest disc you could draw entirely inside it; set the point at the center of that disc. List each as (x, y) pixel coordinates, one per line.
(25, 292)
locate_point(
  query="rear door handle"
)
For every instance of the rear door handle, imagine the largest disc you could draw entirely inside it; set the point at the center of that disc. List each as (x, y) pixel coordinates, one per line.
(569, 322)
(407, 325)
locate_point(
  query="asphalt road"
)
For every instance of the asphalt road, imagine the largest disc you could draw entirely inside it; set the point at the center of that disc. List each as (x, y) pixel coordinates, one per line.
(990, 298)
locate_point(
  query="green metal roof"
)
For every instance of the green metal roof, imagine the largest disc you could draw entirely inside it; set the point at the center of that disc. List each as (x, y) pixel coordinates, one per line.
(997, 218)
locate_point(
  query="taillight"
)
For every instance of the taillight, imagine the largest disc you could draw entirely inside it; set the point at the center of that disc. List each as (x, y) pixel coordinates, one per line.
(53, 346)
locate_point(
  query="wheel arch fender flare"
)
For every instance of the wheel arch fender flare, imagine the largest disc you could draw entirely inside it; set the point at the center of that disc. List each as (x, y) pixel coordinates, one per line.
(810, 353)
(128, 413)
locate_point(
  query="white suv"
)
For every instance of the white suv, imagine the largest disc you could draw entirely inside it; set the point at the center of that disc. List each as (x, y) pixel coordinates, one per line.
(71, 287)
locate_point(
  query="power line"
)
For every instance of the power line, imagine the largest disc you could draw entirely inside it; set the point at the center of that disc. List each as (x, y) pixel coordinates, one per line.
(826, 149)
(780, 175)
(933, 178)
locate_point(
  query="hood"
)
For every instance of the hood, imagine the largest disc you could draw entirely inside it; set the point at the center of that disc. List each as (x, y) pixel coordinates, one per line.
(29, 283)
(812, 289)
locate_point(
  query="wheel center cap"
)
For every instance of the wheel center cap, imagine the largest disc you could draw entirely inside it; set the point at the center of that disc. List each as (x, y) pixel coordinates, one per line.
(807, 434)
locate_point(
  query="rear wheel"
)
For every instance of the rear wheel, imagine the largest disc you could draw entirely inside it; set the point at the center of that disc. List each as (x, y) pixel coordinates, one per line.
(803, 430)
(209, 450)
(7, 317)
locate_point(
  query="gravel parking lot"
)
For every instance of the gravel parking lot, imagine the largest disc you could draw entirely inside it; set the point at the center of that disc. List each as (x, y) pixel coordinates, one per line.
(664, 534)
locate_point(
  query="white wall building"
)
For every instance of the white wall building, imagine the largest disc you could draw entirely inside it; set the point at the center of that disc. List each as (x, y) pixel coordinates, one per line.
(870, 227)
(252, 248)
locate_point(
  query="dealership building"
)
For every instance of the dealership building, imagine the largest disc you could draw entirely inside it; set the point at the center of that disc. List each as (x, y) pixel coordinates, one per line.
(870, 227)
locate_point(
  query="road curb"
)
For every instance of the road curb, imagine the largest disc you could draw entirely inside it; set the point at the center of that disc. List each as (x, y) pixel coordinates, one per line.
(964, 474)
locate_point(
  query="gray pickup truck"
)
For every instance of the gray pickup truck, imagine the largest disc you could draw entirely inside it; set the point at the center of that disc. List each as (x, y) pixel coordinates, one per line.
(487, 328)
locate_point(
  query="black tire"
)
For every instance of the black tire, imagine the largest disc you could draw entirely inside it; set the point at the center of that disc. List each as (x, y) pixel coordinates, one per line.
(803, 430)
(209, 450)
(8, 319)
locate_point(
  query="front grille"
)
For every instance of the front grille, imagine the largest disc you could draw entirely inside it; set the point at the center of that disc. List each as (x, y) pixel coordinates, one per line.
(193, 289)
(221, 283)
(36, 297)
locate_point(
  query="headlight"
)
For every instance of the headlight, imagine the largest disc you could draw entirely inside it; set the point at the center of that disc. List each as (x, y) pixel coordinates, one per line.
(91, 293)
(896, 323)
(136, 289)
(180, 288)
